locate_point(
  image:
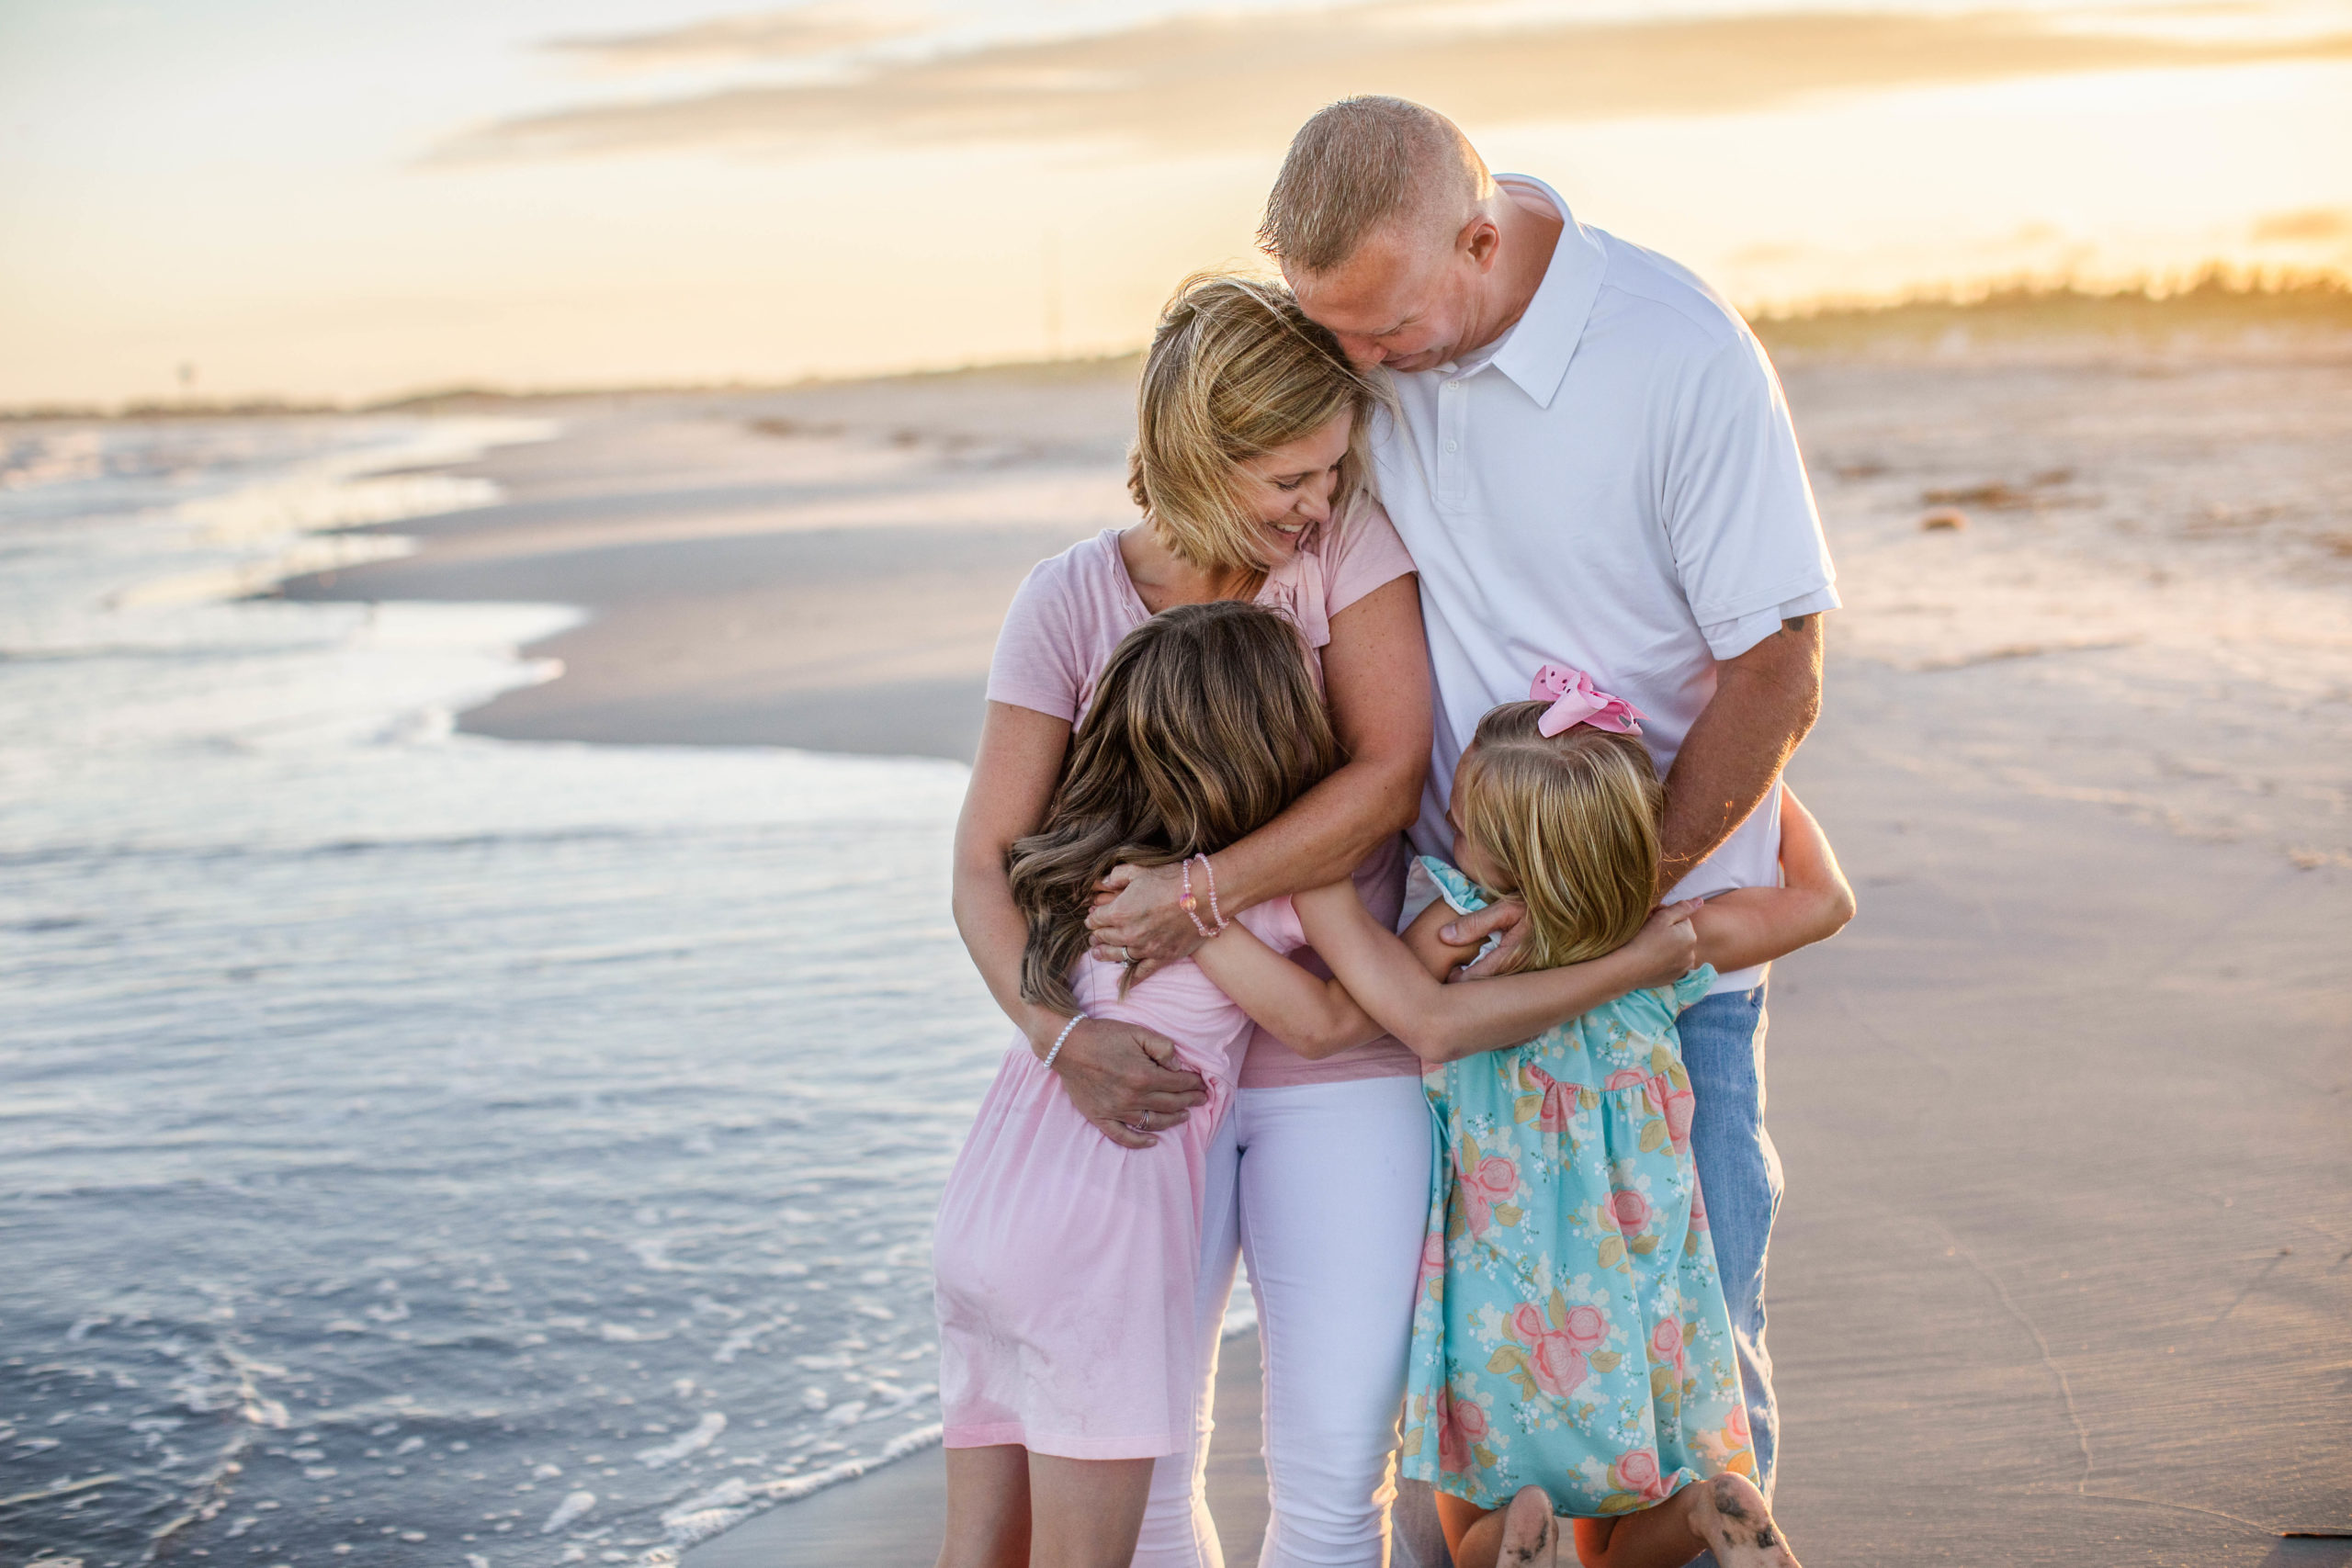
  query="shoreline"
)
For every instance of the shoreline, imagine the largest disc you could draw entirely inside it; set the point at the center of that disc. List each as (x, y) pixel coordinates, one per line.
(812, 570)
(2203, 308)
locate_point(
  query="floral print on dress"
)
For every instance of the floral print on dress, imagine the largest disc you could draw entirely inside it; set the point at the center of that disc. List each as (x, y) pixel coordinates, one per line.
(1570, 1329)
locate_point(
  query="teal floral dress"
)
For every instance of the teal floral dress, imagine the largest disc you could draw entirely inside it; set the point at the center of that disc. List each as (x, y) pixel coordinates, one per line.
(1570, 1329)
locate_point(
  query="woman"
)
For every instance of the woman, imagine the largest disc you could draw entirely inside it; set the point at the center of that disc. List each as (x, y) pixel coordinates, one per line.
(1249, 470)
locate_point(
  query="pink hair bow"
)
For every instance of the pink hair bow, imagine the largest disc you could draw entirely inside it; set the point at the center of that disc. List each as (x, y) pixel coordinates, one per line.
(1576, 701)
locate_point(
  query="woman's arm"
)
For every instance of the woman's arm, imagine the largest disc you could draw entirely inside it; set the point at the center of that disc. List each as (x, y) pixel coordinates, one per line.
(1376, 680)
(1398, 981)
(1119, 1075)
(1751, 925)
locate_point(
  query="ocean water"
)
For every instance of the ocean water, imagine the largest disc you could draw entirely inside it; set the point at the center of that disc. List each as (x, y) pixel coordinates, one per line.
(418, 1148)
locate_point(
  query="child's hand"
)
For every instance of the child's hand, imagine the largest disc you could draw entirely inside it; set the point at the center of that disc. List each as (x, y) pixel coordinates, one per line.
(1668, 947)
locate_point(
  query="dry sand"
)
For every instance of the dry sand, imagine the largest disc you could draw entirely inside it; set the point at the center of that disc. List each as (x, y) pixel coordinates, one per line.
(2065, 1272)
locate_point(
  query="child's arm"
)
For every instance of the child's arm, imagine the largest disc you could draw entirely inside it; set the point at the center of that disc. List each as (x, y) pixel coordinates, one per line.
(1751, 925)
(1313, 1015)
(1398, 981)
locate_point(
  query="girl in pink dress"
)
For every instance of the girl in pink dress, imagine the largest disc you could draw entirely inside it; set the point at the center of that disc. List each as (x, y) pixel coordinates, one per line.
(1065, 1265)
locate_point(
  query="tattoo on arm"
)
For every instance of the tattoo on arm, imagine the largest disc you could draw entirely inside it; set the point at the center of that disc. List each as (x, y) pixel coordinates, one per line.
(1796, 623)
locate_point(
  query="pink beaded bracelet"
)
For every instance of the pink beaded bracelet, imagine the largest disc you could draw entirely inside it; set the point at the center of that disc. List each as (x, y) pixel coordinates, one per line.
(1209, 871)
(1192, 906)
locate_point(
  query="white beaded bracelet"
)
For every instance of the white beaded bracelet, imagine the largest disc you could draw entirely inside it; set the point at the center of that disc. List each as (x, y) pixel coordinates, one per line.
(1057, 1051)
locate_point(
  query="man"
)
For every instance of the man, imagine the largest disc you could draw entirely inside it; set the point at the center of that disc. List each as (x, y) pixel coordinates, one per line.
(1592, 464)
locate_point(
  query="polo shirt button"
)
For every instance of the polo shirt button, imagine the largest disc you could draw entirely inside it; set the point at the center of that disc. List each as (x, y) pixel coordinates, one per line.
(1449, 446)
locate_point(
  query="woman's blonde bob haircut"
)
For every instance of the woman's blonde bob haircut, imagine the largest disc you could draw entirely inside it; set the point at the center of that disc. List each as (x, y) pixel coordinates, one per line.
(1205, 726)
(1573, 819)
(1235, 370)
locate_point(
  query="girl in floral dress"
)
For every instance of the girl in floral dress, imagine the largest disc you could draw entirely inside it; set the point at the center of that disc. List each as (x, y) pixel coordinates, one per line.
(1571, 1352)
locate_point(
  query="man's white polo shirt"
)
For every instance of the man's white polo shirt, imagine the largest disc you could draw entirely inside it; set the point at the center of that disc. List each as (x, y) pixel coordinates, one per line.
(1615, 484)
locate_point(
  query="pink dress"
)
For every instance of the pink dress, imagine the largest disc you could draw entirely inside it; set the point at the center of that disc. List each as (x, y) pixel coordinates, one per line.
(1064, 1266)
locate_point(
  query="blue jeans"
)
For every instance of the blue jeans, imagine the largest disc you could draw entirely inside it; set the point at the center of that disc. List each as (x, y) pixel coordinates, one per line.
(1739, 1172)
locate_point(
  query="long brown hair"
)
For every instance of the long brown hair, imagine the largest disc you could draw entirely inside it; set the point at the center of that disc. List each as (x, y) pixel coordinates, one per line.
(1205, 725)
(1235, 370)
(1573, 819)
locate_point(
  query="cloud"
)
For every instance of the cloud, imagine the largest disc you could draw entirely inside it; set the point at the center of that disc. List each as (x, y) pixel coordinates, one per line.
(2311, 225)
(814, 29)
(1227, 83)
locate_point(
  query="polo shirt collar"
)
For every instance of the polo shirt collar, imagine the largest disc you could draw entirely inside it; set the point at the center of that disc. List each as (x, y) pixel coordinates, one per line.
(1536, 354)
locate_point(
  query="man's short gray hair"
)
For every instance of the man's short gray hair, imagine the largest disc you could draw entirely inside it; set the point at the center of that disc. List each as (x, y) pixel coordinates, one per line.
(1363, 163)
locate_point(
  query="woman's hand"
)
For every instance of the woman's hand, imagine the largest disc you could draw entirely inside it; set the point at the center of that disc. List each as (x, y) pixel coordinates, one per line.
(1137, 918)
(1125, 1080)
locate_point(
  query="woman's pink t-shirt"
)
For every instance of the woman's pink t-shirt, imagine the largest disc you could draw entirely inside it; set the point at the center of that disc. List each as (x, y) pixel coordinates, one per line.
(1075, 608)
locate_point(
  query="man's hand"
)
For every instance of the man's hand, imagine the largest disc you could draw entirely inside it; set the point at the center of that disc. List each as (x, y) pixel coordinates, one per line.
(1666, 949)
(1508, 916)
(1127, 1081)
(1137, 919)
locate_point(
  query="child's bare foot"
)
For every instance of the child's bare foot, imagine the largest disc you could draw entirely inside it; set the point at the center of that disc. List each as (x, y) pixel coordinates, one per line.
(1530, 1532)
(1730, 1513)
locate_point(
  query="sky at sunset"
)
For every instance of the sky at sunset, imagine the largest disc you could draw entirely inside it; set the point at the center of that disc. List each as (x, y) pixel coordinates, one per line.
(351, 200)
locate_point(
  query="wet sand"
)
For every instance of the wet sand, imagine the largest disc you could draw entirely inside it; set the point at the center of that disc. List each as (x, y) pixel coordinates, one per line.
(822, 569)
(896, 1514)
(2064, 1268)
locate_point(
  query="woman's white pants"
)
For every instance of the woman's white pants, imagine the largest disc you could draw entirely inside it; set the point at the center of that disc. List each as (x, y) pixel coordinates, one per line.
(1323, 1187)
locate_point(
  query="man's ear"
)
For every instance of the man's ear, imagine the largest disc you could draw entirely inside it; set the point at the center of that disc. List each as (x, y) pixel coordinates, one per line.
(1481, 240)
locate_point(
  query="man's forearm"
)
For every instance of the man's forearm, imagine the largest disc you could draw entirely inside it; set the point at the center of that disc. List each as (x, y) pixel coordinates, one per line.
(1765, 700)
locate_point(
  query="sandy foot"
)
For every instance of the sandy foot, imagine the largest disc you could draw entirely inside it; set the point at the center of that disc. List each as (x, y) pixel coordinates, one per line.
(1731, 1513)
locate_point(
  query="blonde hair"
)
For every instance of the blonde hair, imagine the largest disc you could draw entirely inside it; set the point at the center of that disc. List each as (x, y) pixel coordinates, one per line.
(1364, 162)
(1206, 724)
(1235, 370)
(1572, 820)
